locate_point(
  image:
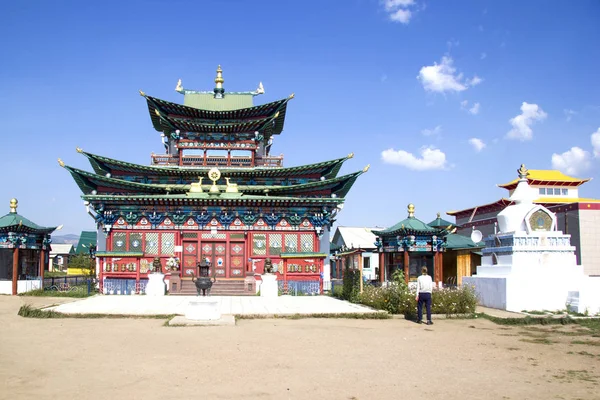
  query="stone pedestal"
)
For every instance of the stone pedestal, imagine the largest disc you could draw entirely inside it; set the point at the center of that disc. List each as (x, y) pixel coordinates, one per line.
(203, 309)
(268, 287)
(156, 284)
(174, 282)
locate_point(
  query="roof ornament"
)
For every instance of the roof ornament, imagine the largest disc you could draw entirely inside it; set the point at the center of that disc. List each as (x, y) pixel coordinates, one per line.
(260, 89)
(196, 187)
(219, 91)
(291, 96)
(438, 215)
(231, 187)
(411, 210)
(61, 162)
(179, 87)
(14, 203)
(523, 172)
(79, 150)
(214, 175)
(142, 93)
(350, 155)
(365, 169)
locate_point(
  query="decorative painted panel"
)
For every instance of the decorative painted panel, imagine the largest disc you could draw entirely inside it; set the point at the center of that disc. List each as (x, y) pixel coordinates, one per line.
(151, 243)
(306, 242)
(291, 243)
(189, 259)
(275, 244)
(135, 242)
(167, 243)
(259, 244)
(236, 267)
(120, 241)
(211, 236)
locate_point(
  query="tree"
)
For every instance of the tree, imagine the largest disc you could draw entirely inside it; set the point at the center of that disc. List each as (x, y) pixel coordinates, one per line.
(85, 263)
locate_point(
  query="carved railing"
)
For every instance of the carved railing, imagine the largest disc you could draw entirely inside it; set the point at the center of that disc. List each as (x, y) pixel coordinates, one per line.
(216, 161)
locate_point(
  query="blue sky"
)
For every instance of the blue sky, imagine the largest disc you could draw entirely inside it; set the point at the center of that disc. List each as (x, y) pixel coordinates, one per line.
(406, 85)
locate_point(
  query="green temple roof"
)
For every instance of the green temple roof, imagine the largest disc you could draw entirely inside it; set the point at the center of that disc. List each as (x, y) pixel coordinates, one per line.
(13, 222)
(439, 222)
(86, 239)
(103, 165)
(409, 226)
(207, 101)
(458, 242)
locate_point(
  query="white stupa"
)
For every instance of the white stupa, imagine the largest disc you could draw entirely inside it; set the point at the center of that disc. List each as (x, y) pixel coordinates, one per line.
(529, 265)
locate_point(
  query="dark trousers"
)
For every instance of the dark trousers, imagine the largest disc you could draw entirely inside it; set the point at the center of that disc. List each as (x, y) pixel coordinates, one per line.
(424, 298)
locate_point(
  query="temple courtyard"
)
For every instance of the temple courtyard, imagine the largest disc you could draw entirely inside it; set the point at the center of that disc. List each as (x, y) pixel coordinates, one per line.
(141, 358)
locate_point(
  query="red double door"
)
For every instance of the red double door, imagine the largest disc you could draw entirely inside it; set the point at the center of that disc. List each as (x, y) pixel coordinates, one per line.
(226, 258)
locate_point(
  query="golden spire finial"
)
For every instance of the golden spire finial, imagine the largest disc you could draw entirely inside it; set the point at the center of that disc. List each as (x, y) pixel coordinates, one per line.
(219, 79)
(291, 96)
(61, 163)
(365, 169)
(142, 93)
(438, 215)
(79, 150)
(14, 203)
(350, 155)
(411, 210)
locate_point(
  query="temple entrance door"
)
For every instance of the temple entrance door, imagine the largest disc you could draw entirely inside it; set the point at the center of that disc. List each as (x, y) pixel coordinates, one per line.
(236, 260)
(215, 253)
(190, 258)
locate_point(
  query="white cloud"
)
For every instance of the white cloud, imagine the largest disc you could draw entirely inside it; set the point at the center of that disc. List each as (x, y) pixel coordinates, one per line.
(483, 56)
(431, 132)
(522, 123)
(475, 109)
(398, 10)
(431, 158)
(572, 162)
(477, 144)
(475, 81)
(569, 114)
(442, 77)
(464, 104)
(596, 142)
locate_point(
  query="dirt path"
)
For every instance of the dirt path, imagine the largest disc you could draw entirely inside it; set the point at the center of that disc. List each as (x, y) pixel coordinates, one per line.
(290, 359)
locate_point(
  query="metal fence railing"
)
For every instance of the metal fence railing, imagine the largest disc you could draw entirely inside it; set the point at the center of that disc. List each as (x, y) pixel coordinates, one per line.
(300, 288)
(71, 280)
(123, 286)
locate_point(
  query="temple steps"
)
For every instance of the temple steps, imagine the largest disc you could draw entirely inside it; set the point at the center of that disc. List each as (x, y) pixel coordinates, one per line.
(220, 288)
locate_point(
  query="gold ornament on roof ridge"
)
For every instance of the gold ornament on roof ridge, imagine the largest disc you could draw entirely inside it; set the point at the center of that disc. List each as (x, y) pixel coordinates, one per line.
(79, 150)
(438, 215)
(523, 171)
(179, 87)
(365, 169)
(61, 163)
(142, 93)
(411, 210)
(291, 96)
(219, 79)
(350, 155)
(14, 203)
(196, 187)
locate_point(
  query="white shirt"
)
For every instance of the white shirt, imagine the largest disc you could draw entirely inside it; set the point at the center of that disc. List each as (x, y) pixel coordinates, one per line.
(424, 284)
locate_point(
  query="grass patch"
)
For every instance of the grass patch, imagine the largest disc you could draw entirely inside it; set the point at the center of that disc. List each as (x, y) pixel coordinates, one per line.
(28, 311)
(537, 340)
(54, 274)
(79, 291)
(375, 315)
(570, 375)
(586, 342)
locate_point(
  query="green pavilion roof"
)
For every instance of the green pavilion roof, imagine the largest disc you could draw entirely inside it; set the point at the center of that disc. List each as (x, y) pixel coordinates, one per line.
(13, 222)
(86, 239)
(458, 242)
(409, 226)
(103, 165)
(441, 223)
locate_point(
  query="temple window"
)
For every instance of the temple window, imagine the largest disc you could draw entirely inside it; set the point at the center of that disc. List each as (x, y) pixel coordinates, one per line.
(564, 192)
(542, 191)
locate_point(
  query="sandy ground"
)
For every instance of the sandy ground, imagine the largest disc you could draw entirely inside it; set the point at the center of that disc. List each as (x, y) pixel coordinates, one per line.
(290, 359)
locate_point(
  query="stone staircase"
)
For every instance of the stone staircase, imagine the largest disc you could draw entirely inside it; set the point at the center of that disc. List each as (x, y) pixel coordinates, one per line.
(222, 287)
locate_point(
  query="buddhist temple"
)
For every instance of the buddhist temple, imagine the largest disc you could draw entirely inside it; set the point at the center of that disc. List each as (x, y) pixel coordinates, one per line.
(24, 249)
(575, 215)
(217, 194)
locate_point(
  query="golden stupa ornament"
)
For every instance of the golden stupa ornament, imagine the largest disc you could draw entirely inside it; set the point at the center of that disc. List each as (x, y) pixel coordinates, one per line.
(14, 203)
(411, 210)
(219, 79)
(214, 175)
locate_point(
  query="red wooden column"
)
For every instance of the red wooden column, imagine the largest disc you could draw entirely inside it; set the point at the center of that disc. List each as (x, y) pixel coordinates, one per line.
(15, 269)
(42, 257)
(382, 267)
(406, 261)
(441, 265)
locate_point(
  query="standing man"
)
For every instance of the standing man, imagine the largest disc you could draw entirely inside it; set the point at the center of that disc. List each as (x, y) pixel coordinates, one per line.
(424, 289)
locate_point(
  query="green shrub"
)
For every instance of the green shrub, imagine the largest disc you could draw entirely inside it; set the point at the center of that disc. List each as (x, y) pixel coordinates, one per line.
(351, 285)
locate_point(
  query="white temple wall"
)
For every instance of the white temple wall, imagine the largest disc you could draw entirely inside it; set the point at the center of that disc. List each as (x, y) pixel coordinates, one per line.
(589, 296)
(589, 237)
(491, 292)
(22, 286)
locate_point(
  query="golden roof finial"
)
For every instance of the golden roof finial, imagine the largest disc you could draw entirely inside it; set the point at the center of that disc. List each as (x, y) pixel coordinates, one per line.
(219, 79)
(61, 163)
(350, 155)
(14, 203)
(411, 210)
(438, 215)
(142, 93)
(365, 169)
(291, 96)
(79, 150)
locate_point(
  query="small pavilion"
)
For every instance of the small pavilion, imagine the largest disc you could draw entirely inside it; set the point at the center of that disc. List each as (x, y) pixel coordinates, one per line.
(24, 248)
(410, 245)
